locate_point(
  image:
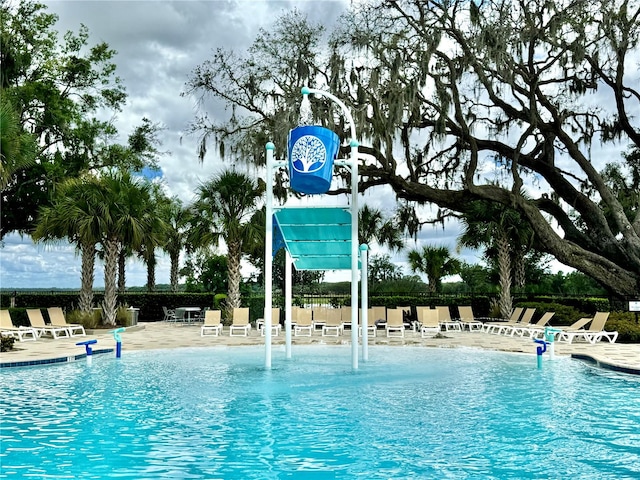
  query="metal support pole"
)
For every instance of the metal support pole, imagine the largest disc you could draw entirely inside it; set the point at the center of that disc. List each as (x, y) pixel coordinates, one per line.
(354, 252)
(364, 287)
(268, 258)
(288, 263)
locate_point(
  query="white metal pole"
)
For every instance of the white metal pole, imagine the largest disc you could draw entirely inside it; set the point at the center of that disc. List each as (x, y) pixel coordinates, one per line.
(354, 249)
(287, 301)
(268, 257)
(364, 287)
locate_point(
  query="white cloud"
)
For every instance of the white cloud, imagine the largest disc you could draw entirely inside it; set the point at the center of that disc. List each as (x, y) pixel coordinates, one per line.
(159, 43)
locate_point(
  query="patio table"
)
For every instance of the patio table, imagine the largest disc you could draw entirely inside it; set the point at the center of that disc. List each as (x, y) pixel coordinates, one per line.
(187, 314)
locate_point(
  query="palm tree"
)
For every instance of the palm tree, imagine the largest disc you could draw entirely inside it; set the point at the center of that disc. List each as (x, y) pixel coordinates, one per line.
(176, 218)
(127, 218)
(435, 262)
(155, 237)
(223, 209)
(372, 226)
(122, 268)
(74, 215)
(505, 236)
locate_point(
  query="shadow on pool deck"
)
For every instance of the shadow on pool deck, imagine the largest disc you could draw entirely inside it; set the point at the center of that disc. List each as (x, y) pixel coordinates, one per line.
(161, 335)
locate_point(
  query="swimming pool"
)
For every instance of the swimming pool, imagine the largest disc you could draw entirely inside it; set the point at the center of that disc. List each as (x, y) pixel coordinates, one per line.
(407, 413)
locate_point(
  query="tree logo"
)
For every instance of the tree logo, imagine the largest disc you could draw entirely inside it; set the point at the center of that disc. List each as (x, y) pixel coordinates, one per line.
(308, 154)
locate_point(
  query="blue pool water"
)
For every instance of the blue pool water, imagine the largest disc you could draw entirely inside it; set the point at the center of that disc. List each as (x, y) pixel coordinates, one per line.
(408, 413)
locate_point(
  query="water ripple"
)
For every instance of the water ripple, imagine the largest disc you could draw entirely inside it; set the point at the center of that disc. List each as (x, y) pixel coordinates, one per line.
(408, 413)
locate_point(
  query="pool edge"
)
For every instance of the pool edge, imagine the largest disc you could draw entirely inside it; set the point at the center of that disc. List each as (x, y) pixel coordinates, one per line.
(606, 365)
(51, 361)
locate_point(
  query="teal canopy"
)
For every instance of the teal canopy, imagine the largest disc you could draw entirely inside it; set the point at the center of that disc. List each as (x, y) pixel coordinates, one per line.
(316, 238)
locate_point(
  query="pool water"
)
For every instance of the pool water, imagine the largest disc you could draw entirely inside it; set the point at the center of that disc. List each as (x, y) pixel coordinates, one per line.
(408, 413)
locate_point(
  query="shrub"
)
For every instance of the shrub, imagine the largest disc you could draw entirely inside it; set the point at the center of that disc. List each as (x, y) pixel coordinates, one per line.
(89, 320)
(6, 343)
(123, 316)
(564, 314)
(219, 301)
(625, 324)
(494, 309)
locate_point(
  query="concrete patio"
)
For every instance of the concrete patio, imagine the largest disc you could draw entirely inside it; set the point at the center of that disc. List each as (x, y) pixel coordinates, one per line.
(163, 335)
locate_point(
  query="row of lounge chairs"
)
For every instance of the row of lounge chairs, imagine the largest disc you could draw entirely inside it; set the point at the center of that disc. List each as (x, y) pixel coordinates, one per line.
(58, 327)
(520, 323)
(430, 322)
(213, 323)
(330, 321)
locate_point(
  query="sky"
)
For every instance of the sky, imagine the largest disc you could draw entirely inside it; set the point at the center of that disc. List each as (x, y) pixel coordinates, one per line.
(159, 43)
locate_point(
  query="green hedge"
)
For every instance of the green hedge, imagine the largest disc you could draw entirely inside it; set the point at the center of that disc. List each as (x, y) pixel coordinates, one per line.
(564, 314)
(150, 304)
(625, 324)
(19, 317)
(590, 305)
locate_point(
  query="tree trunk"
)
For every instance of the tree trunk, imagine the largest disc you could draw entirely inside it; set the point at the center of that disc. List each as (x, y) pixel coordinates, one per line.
(175, 266)
(122, 282)
(85, 302)
(110, 295)
(433, 284)
(504, 268)
(518, 267)
(151, 273)
(233, 295)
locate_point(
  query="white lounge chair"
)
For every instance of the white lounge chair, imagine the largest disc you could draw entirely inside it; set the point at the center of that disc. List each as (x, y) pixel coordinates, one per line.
(240, 322)
(594, 333)
(395, 323)
(371, 326)
(345, 316)
(8, 328)
(527, 316)
(304, 322)
(56, 315)
(532, 329)
(275, 322)
(334, 326)
(419, 309)
(575, 326)
(489, 327)
(430, 322)
(444, 316)
(524, 321)
(468, 319)
(319, 317)
(212, 323)
(379, 316)
(37, 322)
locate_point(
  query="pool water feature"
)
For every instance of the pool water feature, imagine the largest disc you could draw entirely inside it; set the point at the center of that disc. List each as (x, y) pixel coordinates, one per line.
(407, 413)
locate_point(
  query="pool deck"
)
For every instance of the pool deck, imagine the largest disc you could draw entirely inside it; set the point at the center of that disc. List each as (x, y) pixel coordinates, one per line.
(162, 335)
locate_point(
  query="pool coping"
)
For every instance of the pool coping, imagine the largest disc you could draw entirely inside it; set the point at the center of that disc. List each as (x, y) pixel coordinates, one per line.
(80, 356)
(623, 358)
(50, 361)
(606, 365)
